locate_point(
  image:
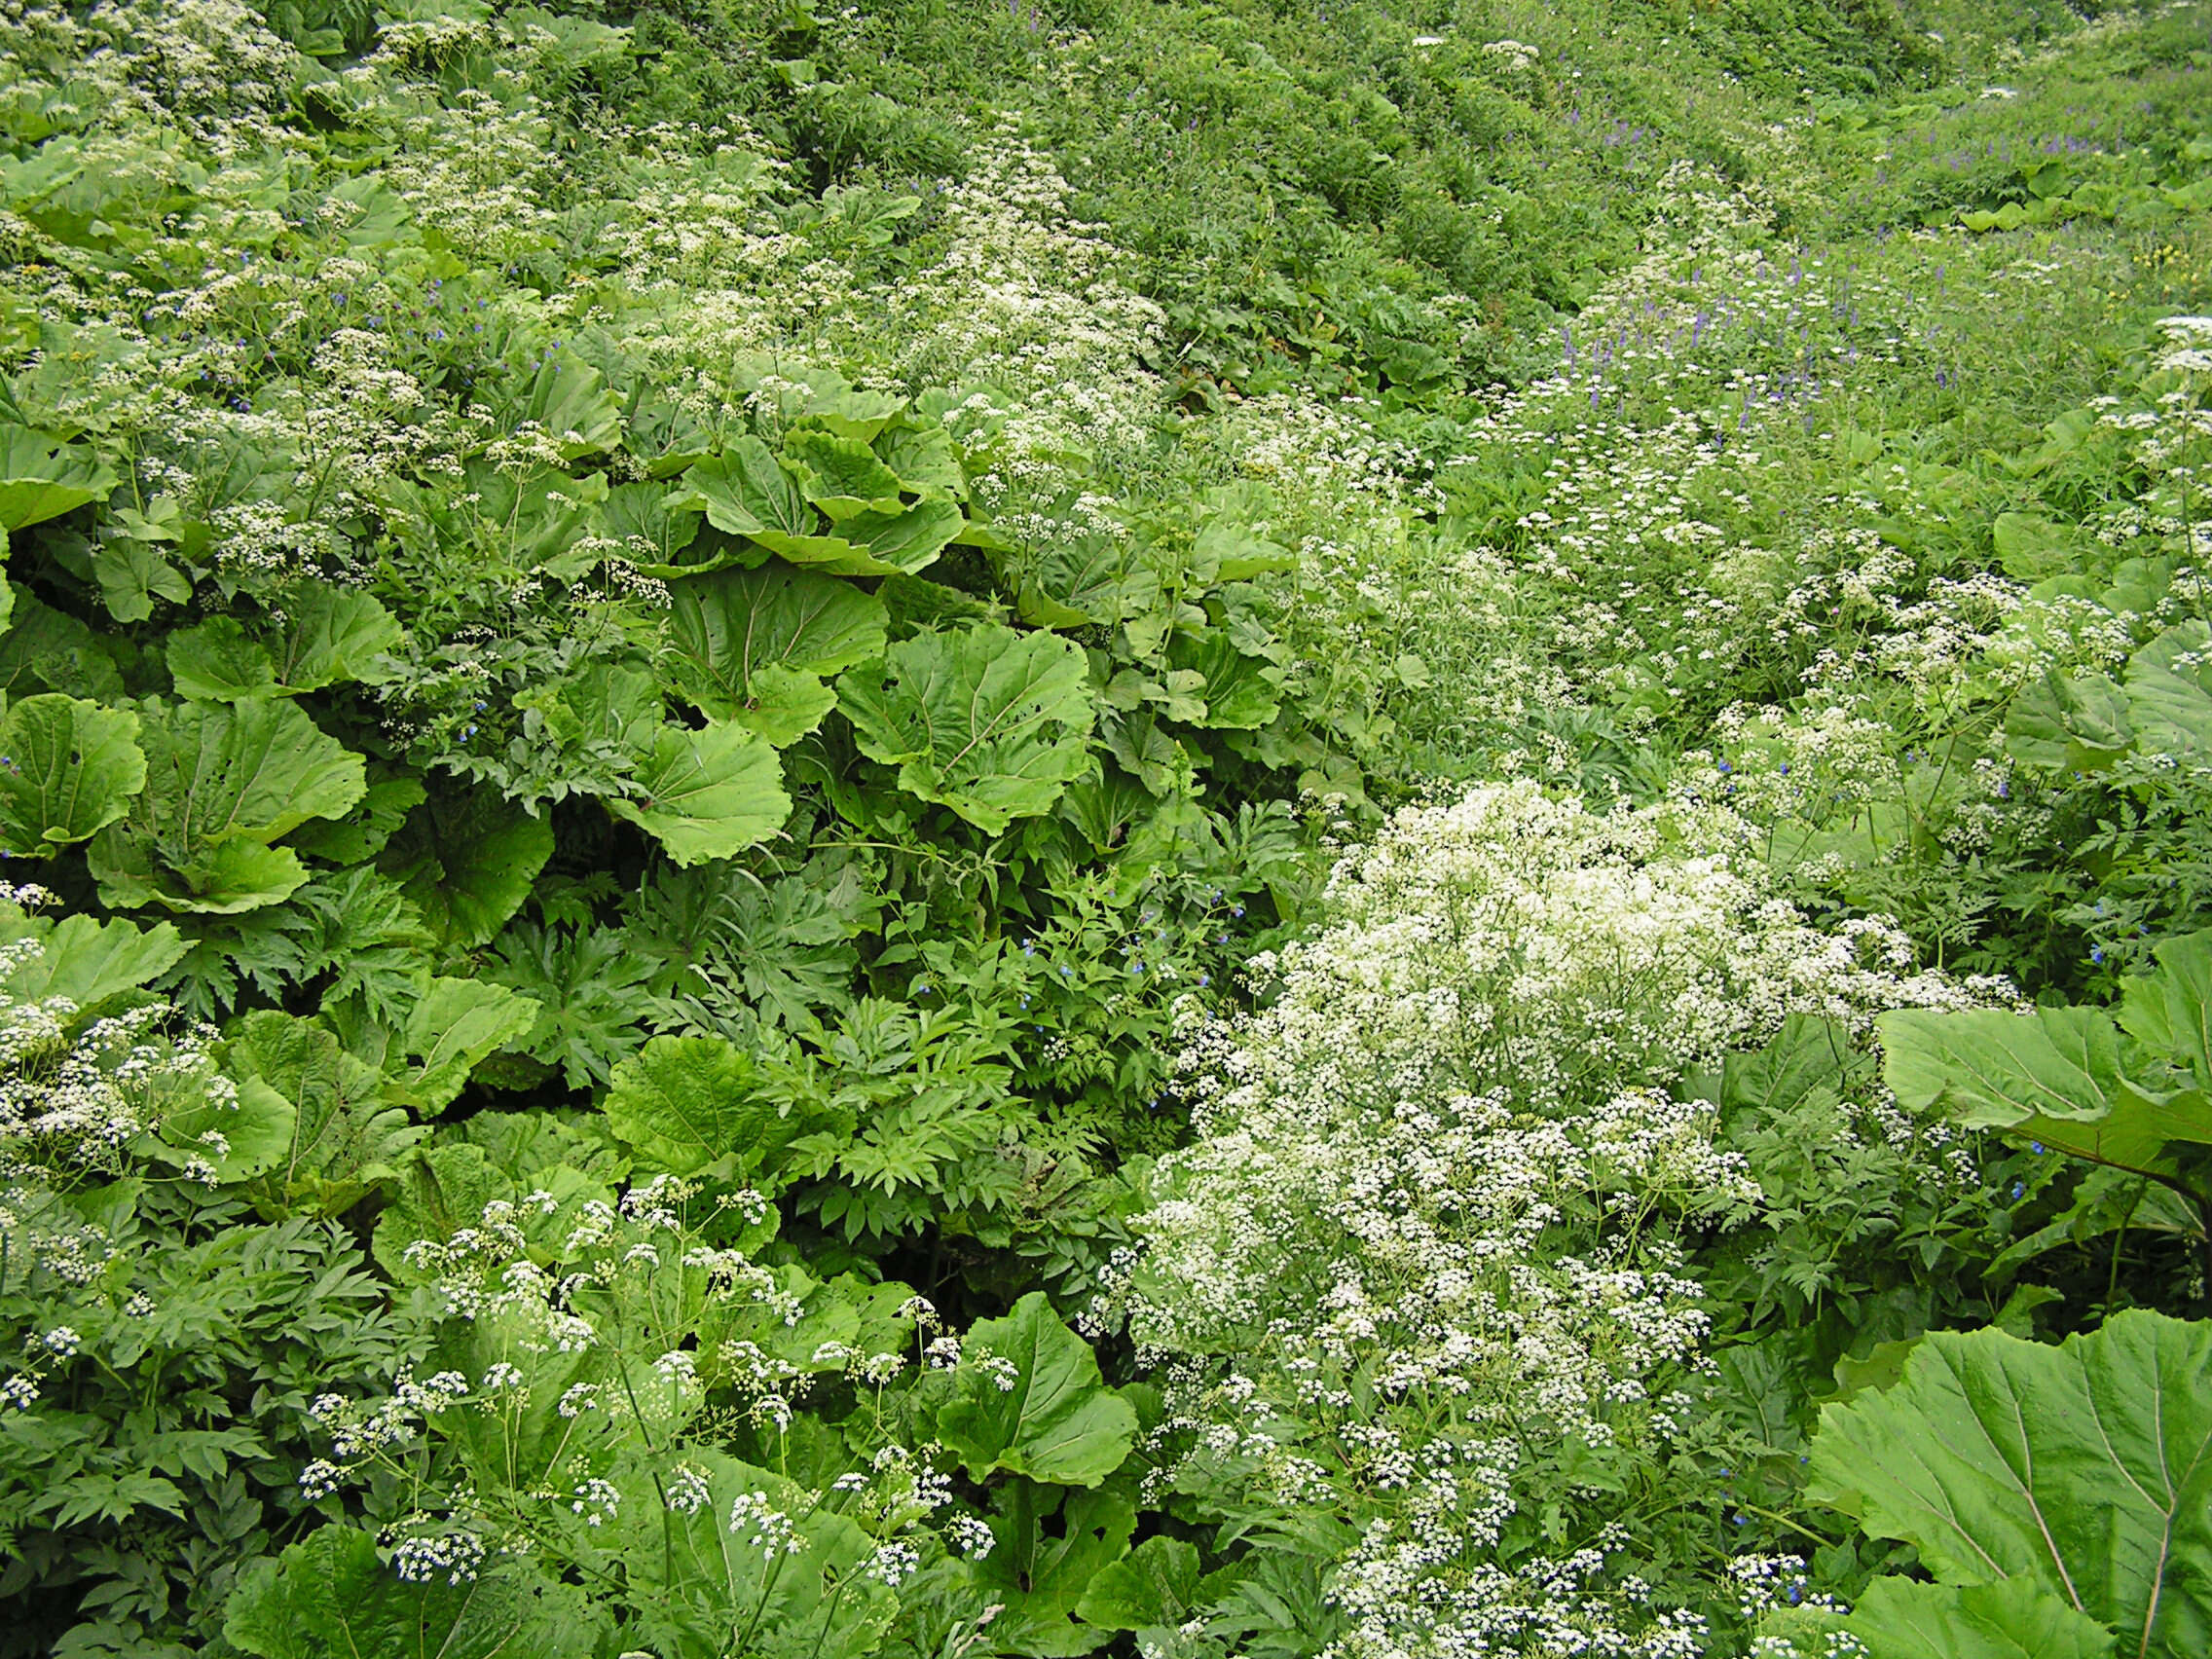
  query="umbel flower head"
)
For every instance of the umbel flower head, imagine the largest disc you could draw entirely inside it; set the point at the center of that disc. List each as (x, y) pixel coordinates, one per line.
(1428, 1255)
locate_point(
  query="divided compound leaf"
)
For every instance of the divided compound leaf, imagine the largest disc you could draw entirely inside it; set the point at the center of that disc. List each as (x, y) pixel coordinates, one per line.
(2085, 1468)
(990, 722)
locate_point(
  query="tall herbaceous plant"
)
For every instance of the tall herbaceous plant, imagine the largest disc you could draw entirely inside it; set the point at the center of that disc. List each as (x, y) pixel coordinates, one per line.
(1419, 1293)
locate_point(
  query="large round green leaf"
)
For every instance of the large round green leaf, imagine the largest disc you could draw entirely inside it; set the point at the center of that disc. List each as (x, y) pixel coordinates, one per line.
(732, 625)
(708, 794)
(68, 770)
(2085, 1468)
(43, 477)
(1052, 1419)
(986, 721)
(222, 780)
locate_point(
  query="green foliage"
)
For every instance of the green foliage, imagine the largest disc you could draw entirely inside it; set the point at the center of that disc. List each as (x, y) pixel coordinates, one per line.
(332, 1594)
(2082, 1470)
(730, 676)
(989, 723)
(1056, 1421)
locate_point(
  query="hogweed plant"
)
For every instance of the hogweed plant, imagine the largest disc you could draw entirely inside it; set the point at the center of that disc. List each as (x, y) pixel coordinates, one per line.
(1423, 1294)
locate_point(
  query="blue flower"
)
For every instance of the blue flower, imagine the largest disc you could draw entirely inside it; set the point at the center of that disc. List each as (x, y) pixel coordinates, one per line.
(2019, 1190)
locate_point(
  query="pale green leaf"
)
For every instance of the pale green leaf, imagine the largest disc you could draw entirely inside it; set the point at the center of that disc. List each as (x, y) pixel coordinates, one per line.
(1154, 1584)
(987, 722)
(2169, 693)
(219, 662)
(686, 1103)
(706, 794)
(844, 476)
(2015, 1618)
(2085, 1468)
(330, 1596)
(1058, 1423)
(732, 625)
(68, 770)
(43, 477)
(329, 635)
(454, 1027)
(91, 961)
(745, 491)
(467, 858)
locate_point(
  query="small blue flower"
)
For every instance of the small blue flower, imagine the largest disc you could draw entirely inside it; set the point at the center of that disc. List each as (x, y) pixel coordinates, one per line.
(921, 987)
(2018, 1188)
(2097, 955)
(2036, 1147)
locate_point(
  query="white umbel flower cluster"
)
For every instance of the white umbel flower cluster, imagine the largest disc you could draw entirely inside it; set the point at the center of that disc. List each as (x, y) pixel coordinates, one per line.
(1426, 1267)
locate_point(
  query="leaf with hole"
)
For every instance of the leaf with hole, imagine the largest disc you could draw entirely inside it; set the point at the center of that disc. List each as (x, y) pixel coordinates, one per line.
(68, 770)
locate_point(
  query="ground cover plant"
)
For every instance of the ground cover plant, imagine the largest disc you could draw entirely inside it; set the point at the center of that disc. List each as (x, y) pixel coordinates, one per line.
(1362, 831)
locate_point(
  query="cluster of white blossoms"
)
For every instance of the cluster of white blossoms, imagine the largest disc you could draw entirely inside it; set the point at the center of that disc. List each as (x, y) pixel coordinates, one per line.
(1430, 1252)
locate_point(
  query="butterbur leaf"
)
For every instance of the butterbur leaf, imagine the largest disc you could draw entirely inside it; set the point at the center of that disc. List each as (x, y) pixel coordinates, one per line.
(1233, 691)
(1154, 1584)
(568, 401)
(688, 1102)
(2078, 722)
(92, 961)
(745, 491)
(2084, 1468)
(345, 1139)
(133, 575)
(925, 458)
(363, 832)
(2015, 1618)
(2169, 693)
(2170, 1010)
(469, 859)
(330, 1596)
(222, 780)
(219, 662)
(732, 625)
(907, 540)
(2054, 1075)
(225, 879)
(43, 477)
(329, 635)
(68, 770)
(987, 722)
(453, 1028)
(844, 476)
(1038, 1577)
(1054, 1420)
(783, 705)
(706, 794)
(236, 1137)
(698, 1588)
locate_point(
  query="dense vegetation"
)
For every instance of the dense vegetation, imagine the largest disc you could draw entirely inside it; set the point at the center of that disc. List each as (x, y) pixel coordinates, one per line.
(1295, 828)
